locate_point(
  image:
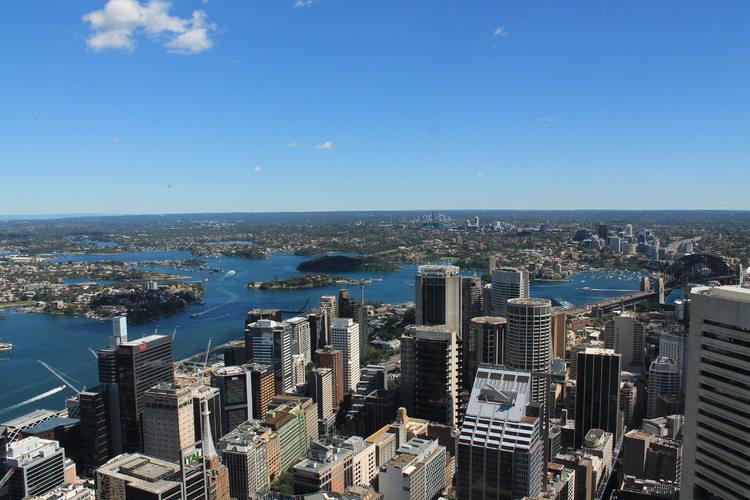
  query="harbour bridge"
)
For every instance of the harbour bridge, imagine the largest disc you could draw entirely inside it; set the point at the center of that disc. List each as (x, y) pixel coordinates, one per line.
(689, 270)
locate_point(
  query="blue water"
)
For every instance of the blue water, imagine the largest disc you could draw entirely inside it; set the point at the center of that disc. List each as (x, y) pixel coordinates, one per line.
(63, 341)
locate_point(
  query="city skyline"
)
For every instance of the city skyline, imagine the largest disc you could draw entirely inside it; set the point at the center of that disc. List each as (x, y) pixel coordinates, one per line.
(131, 107)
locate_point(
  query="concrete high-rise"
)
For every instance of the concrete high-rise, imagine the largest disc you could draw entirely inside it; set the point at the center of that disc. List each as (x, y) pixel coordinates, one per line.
(508, 283)
(344, 335)
(597, 393)
(501, 445)
(245, 393)
(664, 379)
(716, 457)
(485, 343)
(430, 373)
(625, 335)
(674, 345)
(529, 340)
(168, 422)
(328, 357)
(438, 296)
(300, 329)
(40, 467)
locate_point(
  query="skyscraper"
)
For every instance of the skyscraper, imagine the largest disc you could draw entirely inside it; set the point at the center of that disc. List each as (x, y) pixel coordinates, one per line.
(344, 335)
(508, 283)
(40, 467)
(664, 379)
(168, 422)
(716, 462)
(429, 373)
(244, 391)
(328, 357)
(529, 340)
(269, 343)
(625, 335)
(501, 445)
(129, 369)
(438, 296)
(597, 393)
(485, 344)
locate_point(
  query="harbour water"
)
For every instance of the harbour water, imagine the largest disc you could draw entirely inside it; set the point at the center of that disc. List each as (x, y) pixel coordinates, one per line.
(64, 341)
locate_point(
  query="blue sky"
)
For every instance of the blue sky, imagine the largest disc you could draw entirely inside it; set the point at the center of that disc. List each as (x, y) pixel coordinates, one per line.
(127, 106)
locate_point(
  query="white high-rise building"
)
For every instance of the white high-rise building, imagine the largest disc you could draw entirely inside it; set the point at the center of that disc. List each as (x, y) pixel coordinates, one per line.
(664, 379)
(501, 445)
(39, 467)
(344, 335)
(508, 283)
(716, 453)
(674, 345)
(528, 340)
(300, 328)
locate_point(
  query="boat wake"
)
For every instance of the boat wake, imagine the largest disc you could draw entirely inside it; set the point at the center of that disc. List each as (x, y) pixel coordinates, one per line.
(35, 398)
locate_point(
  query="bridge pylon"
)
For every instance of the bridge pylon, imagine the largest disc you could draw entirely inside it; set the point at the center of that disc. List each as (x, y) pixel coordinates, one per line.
(660, 290)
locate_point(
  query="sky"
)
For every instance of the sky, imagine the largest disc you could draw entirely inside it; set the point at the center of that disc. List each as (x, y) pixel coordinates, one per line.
(138, 106)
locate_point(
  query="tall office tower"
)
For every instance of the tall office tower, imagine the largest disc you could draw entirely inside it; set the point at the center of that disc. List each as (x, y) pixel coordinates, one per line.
(96, 432)
(664, 379)
(485, 344)
(270, 343)
(628, 230)
(148, 478)
(602, 232)
(344, 333)
(245, 392)
(328, 357)
(501, 445)
(321, 391)
(625, 335)
(471, 302)
(300, 328)
(40, 467)
(438, 296)
(560, 335)
(3, 460)
(429, 373)
(716, 461)
(120, 328)
(318, 337)
(628, 403)
(508, 283)
(597, 393)
(245, 452)
(674, 345)
(129, 369)
(352, 308)
(529, 340)
(168, 422)
(329, 309)
(417, 472)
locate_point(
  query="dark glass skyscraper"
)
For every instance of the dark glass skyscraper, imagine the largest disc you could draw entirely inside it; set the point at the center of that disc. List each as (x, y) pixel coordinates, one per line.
(597, 393)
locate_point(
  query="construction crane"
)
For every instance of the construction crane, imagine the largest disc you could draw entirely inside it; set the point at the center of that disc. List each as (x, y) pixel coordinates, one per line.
(94, 353)
(208, 350)
(7, 476)
(57, 373)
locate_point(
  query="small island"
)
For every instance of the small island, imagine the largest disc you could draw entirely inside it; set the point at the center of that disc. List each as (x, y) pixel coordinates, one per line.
(342, 263)
(309, 280)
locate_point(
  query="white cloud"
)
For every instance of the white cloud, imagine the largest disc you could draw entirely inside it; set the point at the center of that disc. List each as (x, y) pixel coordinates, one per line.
(304, 3)
(117, 24)
(257, 169)
(500, 32)
(293, 144)
(325, 145)
(114, 139)
(480, 175)
(548, 119)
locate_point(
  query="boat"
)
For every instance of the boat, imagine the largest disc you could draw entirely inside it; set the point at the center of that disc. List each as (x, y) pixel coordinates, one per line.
(5, 346)
(194, 315)
(377, 279)
(586, 288)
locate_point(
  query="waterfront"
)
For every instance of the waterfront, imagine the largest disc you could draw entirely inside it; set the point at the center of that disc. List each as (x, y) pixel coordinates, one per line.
(63, 341)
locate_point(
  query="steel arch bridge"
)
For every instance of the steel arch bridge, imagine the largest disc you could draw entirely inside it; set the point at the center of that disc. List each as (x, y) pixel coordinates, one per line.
(697, 268)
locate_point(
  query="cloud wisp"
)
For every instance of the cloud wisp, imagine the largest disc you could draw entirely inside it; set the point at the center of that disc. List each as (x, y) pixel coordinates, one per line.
(325, 145)
(114, 139)
(499, 32)
(292, 144)
(304, 3)
(118, 24)
(257, 169)
(549, 119)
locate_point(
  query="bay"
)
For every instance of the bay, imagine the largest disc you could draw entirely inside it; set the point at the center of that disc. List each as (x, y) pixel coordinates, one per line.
(64, 341)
